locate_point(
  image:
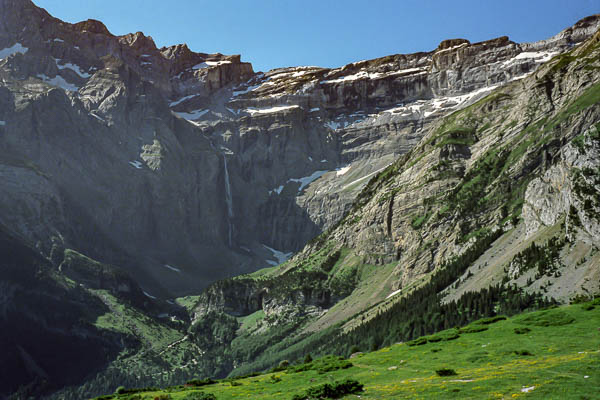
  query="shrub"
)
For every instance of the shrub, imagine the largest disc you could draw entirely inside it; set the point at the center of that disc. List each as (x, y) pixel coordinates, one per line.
(121, 390)
(331, 391)
(490, 320)
(521, 331)
(445, 372)
(417, 342)
(473, 329)
(588, 307)
(307, 359)
(163, 397)
(200, 382)
(200, 396)
(523, 353)
(275, 379)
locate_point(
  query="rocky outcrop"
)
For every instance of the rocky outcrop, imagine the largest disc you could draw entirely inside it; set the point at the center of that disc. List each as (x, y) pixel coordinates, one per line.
(569, 189)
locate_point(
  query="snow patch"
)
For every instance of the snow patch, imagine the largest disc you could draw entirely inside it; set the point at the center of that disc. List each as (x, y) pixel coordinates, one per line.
(136, 164)
(354, 77)
(172, 268)
(2, 123)
(192, 115)
(308, 179)
(342, 171)
(277, 190)
(58, 40)
(74, 68)
(269, 110)
(365, 177)
(279, 255)
(395, 292)
(10, 51)
(247, 90)
(334, 125)
(97, 117)
(208, 64)
(148, 295)
(452, 48)
(537, 56)
(181, 100)
(314, 109)
(527, 389)
(60, 82)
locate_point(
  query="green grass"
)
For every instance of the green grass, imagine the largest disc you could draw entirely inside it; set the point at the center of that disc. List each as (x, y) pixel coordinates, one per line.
(250, 321)
(560, 360)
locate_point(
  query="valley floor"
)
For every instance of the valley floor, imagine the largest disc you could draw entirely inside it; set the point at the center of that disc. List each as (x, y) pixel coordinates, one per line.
(548, 354)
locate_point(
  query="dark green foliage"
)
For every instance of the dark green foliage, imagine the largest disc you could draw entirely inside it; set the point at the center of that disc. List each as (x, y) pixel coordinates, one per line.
(545, 259)
(588, 307)
(522, 331)
(417, 342)
(120, 390)
(331, 391)
(307, 359)
(546, 318)
(420, 220)
(523, 353)
(445, 372)
(490, 320)
(200, 382)
(275, 379)
(214, 327)
(200, 396)
(473, 328)
(163, 397)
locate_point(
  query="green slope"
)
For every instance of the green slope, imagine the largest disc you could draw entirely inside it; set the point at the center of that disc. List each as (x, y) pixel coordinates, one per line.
(548, 354)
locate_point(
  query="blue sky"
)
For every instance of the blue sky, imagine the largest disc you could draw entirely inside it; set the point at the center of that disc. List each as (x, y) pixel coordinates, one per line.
(328, 33)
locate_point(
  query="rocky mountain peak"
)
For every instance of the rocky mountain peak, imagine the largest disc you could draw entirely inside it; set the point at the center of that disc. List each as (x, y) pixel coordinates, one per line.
(450, 43)
(92, 26)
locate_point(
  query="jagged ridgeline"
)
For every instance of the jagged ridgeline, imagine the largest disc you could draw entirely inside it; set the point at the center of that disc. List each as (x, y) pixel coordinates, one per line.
(420, 192)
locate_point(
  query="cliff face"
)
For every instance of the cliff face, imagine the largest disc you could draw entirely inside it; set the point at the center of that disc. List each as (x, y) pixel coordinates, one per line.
(521, 163)
(184, 167)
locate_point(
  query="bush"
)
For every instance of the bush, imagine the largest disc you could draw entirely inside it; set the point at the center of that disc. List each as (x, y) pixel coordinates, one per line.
(200, 396)
(523, 353)
(163, 397)
(307, 359)
(445, 372)
(490, 320)
(473, 329)
(200, 382)
(121, 390)
(331, 391)
(417, 342)
(521, 331)
(588, 307)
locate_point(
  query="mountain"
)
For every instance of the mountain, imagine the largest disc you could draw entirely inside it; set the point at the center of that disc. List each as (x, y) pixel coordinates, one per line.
(133, 176)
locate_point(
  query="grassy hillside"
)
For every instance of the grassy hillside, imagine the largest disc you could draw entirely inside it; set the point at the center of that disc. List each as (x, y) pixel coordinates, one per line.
(548, 354)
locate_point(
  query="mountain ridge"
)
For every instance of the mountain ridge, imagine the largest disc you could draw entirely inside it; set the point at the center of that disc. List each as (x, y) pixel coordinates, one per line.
(139, 175)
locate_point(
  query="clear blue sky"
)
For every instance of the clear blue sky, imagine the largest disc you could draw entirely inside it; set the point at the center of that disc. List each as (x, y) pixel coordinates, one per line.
(328, 33)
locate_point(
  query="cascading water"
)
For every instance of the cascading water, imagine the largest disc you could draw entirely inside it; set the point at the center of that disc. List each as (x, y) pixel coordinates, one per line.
(228, 200)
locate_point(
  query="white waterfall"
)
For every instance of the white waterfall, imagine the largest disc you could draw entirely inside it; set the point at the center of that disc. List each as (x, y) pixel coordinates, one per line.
(228, 200)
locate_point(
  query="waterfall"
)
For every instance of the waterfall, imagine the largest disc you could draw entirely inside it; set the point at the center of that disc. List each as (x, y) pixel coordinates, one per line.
(228, 200)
